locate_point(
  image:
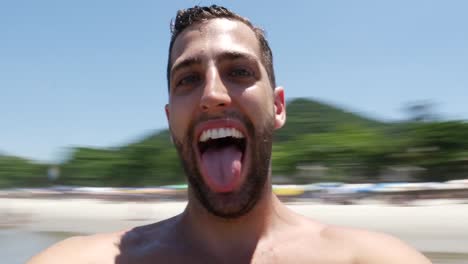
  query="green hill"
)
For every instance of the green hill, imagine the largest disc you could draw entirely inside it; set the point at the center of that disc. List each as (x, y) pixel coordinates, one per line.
(350, 146)
(305, 116)
(15, 171)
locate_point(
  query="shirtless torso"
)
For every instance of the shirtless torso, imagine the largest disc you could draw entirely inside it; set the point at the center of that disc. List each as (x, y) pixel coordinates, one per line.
(294, 240)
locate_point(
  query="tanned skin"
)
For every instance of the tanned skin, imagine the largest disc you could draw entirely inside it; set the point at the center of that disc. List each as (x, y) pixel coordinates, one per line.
(269, 232)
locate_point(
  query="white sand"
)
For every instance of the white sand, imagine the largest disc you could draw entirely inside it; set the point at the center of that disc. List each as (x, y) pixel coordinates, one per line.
(435, 228)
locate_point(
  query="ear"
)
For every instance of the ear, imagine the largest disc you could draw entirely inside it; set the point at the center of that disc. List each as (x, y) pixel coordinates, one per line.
(166, 108)
(280, 107)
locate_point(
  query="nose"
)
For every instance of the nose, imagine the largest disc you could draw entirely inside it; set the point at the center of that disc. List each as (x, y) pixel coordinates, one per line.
(215, 94)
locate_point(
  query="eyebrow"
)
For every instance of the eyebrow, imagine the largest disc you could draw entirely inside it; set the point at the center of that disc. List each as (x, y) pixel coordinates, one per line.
(185, 63)
(234, 55)
(225, 56)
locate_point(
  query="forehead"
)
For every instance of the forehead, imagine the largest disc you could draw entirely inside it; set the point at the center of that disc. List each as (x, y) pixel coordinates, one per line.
(213, 37)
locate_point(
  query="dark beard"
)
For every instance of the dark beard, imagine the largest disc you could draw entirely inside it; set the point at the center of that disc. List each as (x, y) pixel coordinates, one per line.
(234, 204)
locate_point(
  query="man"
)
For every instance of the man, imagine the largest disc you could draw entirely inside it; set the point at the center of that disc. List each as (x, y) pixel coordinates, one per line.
(223, 108)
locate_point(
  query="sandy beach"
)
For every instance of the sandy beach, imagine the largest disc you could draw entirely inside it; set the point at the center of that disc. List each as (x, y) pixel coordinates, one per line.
(440, 228)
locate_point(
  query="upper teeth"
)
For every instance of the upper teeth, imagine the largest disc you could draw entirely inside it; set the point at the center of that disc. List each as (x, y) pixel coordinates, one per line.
(220, 133)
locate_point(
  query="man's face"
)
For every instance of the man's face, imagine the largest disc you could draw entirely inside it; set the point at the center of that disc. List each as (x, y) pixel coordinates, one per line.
(222, 112)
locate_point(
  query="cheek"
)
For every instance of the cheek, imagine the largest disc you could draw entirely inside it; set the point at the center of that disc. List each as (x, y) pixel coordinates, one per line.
(258, 104)
(180, 112)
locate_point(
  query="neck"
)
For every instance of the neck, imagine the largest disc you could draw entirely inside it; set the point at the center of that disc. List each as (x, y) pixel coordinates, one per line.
(242, 233)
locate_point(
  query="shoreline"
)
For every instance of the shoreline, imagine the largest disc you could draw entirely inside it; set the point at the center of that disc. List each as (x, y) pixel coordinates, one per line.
(429, 228)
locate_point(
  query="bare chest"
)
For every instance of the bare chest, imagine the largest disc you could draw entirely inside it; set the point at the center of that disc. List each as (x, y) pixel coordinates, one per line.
(296, 254)
(300, 253)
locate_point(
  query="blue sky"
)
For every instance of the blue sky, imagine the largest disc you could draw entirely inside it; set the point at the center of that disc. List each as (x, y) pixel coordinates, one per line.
(92, 73)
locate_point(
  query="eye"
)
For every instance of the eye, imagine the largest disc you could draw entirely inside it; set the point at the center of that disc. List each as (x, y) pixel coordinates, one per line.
(241, 72)
(188, 80)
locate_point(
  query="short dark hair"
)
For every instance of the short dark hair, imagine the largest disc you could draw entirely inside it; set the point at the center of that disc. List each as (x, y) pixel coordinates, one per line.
(197, 14)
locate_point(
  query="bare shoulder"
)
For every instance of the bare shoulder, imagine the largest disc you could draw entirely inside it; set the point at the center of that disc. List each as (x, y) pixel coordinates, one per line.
(124, 246)
(374, 247)
(81, 249)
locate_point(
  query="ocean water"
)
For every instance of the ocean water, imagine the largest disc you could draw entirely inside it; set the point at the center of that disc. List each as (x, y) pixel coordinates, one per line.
(17, 246)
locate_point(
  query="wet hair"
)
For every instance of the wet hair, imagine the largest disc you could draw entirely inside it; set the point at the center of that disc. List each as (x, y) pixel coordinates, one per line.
(198, 14)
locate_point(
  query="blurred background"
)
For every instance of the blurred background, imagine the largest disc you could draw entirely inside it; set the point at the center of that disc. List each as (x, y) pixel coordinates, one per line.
(376, 134)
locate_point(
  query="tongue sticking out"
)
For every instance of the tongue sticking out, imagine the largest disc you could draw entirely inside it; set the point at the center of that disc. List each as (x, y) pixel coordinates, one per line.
(222, 167)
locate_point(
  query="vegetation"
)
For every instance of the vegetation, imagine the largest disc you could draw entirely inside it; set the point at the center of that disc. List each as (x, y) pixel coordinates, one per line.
(20, 172)
(318, 143)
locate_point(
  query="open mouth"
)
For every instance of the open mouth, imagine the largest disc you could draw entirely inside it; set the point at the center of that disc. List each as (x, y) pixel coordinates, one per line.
(219, 138)
(221, 154)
